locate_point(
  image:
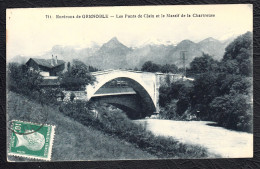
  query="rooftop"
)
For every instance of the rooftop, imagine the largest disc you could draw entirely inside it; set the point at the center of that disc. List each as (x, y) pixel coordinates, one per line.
(48, 62)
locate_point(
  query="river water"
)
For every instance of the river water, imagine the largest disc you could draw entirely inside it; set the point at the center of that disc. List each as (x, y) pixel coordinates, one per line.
(218, 140)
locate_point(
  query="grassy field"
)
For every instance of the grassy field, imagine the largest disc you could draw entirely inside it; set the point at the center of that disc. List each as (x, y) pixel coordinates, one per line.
(72, 141)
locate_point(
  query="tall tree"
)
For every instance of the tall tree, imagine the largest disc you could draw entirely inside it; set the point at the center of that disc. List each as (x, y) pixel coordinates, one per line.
(202, 64)
(77, 77)
(238, 56)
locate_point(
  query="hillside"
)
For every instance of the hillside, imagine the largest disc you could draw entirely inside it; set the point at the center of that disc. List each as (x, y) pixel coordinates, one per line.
(72, 141)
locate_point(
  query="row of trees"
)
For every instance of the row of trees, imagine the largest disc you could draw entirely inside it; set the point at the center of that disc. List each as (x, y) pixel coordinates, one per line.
(149, 66)
(221, 91)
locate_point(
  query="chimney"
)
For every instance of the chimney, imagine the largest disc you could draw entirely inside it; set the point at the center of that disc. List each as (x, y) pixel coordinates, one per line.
(52, 64)
(56, 60)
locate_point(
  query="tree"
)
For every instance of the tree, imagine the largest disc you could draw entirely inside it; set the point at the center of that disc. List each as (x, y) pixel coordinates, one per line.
(169, 68)
(239, 53)
(175, 99)
(77, 77)
(68, 66)
(202, 64)
(233, 111)
(22, 79)
(92, 69)
(223, 93)
(149, 66)
(204, 91)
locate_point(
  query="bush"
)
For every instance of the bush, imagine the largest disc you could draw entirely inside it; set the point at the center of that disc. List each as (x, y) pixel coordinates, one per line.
(175, 99)
(233, 111)
(50, 96)
(170, 111)
(22, 80)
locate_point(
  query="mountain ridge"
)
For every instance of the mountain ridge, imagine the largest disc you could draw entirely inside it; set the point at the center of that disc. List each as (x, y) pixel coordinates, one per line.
(113, 54)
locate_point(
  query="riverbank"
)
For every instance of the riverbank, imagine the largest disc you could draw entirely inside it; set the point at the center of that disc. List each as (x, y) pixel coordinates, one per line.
(218, 140)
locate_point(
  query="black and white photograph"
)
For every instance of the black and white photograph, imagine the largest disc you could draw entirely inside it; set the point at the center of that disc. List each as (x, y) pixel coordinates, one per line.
(129, 83)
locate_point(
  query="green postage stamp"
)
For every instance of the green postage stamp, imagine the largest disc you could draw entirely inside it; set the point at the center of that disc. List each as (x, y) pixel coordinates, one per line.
(31, 140)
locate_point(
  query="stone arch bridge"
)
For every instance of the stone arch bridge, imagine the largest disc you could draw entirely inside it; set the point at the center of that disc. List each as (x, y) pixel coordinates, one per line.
(140, 97)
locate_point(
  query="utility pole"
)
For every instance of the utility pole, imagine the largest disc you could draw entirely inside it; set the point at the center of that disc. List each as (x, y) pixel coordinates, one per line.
(183, 58)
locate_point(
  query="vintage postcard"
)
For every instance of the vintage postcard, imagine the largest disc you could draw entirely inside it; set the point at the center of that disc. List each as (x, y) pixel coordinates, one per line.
(129, 83)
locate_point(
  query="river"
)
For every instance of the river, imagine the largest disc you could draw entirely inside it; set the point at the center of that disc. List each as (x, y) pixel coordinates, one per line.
(218, 140)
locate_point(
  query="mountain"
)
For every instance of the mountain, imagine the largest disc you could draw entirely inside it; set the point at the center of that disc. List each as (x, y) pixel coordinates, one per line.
(213, 47)
(155, 53)
(111, 55)
(162, 54)
(18, 59)
(68, 53)
(226, 42)
(114, 54)
(191, 51)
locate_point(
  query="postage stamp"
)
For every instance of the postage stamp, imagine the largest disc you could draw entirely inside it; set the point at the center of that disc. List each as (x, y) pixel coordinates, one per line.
(31, 140)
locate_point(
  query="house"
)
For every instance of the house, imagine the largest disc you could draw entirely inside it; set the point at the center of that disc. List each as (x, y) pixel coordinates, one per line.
(47, 67)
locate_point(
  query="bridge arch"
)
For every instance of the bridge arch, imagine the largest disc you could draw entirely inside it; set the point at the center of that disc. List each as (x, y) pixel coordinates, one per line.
(143, 89)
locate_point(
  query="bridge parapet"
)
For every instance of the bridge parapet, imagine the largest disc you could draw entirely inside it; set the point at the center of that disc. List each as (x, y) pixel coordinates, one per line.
(167, 78)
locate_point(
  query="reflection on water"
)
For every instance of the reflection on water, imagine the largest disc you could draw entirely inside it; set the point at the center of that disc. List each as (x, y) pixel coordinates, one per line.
(218, 140)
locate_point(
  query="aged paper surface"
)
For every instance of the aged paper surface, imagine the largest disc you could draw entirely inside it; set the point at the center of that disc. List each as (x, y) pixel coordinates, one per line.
(143, 82)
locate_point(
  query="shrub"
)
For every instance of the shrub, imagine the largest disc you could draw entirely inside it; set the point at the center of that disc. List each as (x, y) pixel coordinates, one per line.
(170, 111)
(233, 111)
(50, 96)
(175, 99)
(23, 80)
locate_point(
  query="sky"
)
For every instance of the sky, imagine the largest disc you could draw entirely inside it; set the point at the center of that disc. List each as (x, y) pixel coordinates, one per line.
(31, 33)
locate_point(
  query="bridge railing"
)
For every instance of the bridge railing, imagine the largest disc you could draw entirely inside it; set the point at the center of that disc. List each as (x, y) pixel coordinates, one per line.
(126, 70)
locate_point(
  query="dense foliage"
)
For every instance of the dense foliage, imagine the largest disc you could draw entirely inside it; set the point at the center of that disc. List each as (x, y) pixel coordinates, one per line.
(238, 56)
(221, 91)
(149, 66)
(202, 64)
(169, 68)
(22, 79)
(77, 76)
